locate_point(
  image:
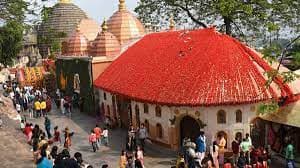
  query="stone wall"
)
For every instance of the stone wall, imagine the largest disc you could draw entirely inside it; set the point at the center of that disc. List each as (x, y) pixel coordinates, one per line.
(208, 115)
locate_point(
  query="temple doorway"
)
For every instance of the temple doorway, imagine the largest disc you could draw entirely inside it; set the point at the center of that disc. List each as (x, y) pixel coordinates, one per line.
(124, 111)
(189, 127)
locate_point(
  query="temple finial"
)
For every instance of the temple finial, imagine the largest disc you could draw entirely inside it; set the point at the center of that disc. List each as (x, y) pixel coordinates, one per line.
(78, 28)
(64, 1)
(122, 5)
(104, 26)
(172, 23)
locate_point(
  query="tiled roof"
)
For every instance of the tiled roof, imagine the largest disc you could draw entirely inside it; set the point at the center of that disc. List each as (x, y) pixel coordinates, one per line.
(190, 68)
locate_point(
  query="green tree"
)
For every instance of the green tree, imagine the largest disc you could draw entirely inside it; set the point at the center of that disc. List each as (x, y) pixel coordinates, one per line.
(241, 15)
(13, 10)
(11, 35)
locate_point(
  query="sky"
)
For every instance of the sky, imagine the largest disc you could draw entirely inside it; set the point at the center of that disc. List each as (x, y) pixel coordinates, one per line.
(100, 9)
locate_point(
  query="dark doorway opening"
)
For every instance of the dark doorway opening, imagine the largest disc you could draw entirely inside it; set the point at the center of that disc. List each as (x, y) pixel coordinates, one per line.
(189, 127)
(124, 111)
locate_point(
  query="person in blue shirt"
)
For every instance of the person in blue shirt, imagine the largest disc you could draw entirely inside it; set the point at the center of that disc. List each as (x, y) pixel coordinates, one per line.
(44, 162)
(201, 147)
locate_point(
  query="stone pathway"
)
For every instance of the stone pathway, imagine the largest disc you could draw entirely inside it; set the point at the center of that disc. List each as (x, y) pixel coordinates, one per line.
(81, 124)
(14, 150)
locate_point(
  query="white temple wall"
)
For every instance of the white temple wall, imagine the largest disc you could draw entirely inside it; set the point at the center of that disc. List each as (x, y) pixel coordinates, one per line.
(208, 115)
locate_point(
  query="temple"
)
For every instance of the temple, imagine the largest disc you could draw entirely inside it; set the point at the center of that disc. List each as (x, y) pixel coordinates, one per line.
(176, 82)
(181, 82)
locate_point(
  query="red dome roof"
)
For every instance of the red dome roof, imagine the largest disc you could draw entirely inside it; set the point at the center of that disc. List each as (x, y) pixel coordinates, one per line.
(77, 44)
(106, 44)
(192, 68)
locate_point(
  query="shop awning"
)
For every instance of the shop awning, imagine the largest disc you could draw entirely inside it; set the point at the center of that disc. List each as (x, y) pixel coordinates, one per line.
(287, 115)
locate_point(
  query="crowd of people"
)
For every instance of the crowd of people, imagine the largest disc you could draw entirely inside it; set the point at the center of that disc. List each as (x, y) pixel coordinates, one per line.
(37, 104)
(242, 155)
(133, 156)
(33, 102)
(28, 99)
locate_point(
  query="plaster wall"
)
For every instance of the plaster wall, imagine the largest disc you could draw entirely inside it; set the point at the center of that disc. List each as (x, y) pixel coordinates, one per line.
(208, 115)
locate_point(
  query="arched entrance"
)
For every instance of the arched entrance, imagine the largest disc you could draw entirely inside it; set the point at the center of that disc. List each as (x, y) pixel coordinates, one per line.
(189, 127)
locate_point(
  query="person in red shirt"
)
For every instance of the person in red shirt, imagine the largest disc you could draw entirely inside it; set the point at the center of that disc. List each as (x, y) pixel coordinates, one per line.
(93, 140)
(259, 164)
(28, 132)
(98, 132)
(56, 137)
(227, 164)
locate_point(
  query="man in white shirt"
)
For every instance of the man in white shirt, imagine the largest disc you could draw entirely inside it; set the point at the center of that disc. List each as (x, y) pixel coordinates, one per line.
(18, 89)
(105, 136)
(12, 95)
(249, 138)
(18, 108)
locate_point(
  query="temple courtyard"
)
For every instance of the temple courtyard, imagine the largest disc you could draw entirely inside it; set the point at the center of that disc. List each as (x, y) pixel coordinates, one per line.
(13, 144)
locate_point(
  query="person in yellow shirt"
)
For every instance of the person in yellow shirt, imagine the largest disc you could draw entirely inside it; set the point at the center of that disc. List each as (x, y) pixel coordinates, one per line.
(37, 108)
(43, 107)
(123, 159)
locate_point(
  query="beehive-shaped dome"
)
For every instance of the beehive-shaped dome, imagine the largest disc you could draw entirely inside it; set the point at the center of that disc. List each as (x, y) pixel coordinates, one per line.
(77, 44)
(106, 44)
(89, 28)
(62, 21)
(124, 25)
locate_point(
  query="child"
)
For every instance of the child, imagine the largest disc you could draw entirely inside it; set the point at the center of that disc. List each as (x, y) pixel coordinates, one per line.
(22, 125)
(93, 140)
(56, 135)
(140, 155)
(105, 136)
(68, 136)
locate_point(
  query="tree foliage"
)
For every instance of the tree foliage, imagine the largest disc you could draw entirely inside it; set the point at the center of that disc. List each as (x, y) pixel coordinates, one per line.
(13, 10)
(238, 15)
(11, 35)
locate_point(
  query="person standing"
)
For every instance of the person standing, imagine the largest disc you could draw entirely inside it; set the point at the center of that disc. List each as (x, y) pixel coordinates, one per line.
(201, 146)
(245, 146)
(43, 107)
(98, 131)
(143, 135)
(37, 107)
(62, 105)
(36, 132)
(30, 107)
(248, 138)
(93, 140)
(68, 135)
(131, 142)
(215, 154)
(221, 144)
(18, 107)
(47, 124)
(235, 145)
(56, 135)
(123, 159)
(140, 155)
(289, 154)
(28, 132)
(105, 136)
